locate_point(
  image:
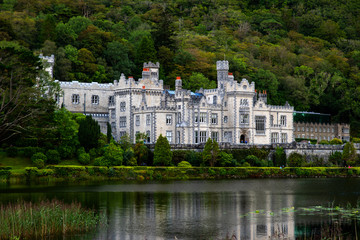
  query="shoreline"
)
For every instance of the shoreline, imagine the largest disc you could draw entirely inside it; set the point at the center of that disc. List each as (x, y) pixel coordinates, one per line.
(141, 174)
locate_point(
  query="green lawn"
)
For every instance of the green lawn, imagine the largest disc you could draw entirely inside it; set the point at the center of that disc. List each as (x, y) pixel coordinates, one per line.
(15, 163)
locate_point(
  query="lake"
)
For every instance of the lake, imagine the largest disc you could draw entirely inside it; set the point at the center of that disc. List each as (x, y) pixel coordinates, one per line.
(212, 209)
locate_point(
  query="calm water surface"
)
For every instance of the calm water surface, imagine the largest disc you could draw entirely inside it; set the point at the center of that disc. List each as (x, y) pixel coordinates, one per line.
(250, 209)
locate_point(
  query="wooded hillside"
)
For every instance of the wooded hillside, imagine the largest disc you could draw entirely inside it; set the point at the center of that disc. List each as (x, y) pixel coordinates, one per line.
(305, 52)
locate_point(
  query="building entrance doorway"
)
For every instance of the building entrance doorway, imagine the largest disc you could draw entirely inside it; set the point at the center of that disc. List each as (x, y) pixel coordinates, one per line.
(242, 138)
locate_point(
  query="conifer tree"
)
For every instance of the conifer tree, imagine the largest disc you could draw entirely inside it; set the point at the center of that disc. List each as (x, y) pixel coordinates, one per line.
(162, 152)
(146, 51)
(108, 132)
(210, 152)
(89, 133)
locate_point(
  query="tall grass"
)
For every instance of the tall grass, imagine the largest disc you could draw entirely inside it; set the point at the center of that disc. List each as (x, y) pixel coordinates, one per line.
(26, 220)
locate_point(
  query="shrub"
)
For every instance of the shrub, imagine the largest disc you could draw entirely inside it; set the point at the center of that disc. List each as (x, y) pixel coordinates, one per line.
(93, 153)
(114, 154)
(279, 157)
(101, 161)
(84, 158)
(226, 159)
(80, 151)
(324, 142)
(184, 164)
(252, 160)
(129, 157)
(295, 160)
(356, 140)
(39, 159)
(336, 158)
(53, 157)
(336, 141)
(29, 151)
(194, 158)
(246, 164)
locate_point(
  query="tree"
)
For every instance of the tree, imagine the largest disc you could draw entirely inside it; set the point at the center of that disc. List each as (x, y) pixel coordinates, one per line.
(117, 55)
(89, 133)
(108, 132)
(162, 152)
(211, 152)
(197, 81)
(349, 154)
(146, 51)
(19, 98)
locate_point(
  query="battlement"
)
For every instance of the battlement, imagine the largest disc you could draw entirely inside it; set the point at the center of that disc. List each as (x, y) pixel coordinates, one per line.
(84, 85)
(151, 65)
(222, 65)
(49, 59)
(278, 107)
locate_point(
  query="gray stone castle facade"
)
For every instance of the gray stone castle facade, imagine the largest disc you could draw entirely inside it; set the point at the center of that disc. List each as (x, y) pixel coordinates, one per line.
(234, 112)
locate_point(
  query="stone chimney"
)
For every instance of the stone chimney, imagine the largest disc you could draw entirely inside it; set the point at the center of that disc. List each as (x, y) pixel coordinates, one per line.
(178, 84)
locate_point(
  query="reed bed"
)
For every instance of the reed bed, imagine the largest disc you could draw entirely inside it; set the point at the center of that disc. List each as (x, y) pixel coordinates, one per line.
(27, 220)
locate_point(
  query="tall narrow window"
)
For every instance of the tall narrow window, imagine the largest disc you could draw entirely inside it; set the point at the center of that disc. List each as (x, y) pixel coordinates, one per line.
(179, 118)
(274, 137)
(196, 118)
(260, 124)
(148, 119)
(215, 100)
(283, 120)
(178, 137)
(148, 139)
(244, 118)
(75, 99)
(215, 136)
(111, 100)
(214, 118)
(271, 120)
(228, 136)
(122, 122)
(168, 119)
(137, 120)
(95, 99)
(113, 113)
(196, 136)
(122, 106)
(225, 119)
(203, 117)
(202, 136)
(284, 138)
(169, 136)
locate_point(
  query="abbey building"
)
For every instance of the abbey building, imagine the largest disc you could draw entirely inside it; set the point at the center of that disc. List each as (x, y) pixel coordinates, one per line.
(234, 112)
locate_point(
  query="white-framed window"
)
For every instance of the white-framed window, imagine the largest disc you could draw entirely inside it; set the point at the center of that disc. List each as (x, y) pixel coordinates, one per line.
(122, 106)
(328, 129)
(122, 133)
(215, 100)
(271, 120)
(113, 126)
(122, 122)
(203, 117)
(284, 138)
(315, 129)
(168, 119)
(214, 118)
(178, 137)
(320, 128)
(311, 129)
(215, 136)
(178, 117)
(332, 130)
(169, 136)
(111, 100)
(196, 136)
(260, 124)
(147, 119)
(274, 137)
(203, 136)
(95, 99)
(225, 119)
(298, 128)
(283, 120)
(75, 99)
(137, 120)
(303, 129)
(196, 117)
(228, 136)
(113, 113)
(244, 118)
(307, 129)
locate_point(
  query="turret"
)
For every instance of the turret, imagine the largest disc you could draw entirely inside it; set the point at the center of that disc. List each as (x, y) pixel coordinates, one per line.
(152, 70)
(178, 84)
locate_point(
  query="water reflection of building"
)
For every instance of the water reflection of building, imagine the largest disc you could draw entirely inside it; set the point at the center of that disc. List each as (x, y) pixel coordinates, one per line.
(198, 215)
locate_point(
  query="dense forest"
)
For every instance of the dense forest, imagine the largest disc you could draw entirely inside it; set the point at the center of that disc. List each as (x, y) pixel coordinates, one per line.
(306, 52)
